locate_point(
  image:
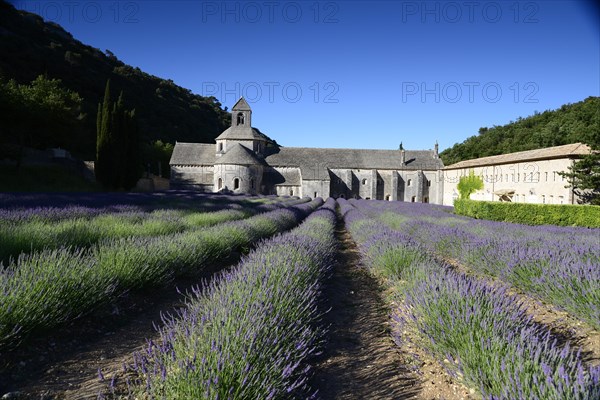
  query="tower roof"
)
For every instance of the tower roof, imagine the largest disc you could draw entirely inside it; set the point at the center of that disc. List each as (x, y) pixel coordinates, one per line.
(241, 105)
(239, 155)
(241, 133)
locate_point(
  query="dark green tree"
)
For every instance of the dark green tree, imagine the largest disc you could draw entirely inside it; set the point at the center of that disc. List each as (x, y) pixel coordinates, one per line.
(118, 164)
(39, 115)
(584, 175)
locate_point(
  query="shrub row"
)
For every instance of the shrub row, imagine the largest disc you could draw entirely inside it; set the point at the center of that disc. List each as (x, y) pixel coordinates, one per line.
(248, 333)
(531, 214)
(36, 235)
(482, 330)
(558, 265)
(25, 231)
(45, 289)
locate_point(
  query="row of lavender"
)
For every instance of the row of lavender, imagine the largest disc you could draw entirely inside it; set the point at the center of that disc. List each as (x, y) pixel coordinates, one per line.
(558, 265)
(24, 231)
(112, 201)
(480, 329)
(44, 289)
(248, 333)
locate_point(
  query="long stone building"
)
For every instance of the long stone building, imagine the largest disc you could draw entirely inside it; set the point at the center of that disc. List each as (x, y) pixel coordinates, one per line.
(523, 177)
(243, 160)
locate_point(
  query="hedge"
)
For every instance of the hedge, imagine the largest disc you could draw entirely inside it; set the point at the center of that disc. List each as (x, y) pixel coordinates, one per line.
(531, 214)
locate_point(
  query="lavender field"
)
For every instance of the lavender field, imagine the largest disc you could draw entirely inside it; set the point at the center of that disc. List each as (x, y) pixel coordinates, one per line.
(259, 269)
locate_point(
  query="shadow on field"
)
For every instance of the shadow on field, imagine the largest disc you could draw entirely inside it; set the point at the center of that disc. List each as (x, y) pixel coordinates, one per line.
(360, 360)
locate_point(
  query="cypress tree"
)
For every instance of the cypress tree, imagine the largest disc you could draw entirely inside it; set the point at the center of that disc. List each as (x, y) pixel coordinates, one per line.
(117, 153)
(103, 139)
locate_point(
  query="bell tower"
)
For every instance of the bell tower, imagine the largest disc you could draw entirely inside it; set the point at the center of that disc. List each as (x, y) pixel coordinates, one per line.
(241, 115)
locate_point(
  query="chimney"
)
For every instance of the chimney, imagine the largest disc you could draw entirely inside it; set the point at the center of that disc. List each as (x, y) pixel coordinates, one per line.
(435, 150)
(402, 157)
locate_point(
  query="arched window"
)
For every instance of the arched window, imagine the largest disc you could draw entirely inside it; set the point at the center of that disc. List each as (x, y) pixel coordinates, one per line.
(236, 183)
(364, 181)
(409, 183)
(387, 197)
(425, 199)
(220, 184)
(413, 199)
(291, 192)
(240, 119)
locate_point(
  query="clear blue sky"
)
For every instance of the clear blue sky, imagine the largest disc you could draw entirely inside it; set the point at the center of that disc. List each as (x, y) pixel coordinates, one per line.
(357, 74)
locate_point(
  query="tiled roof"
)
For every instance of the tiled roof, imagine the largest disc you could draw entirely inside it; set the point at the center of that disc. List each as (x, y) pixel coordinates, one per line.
(241, 105)
(315, 162)
(567, 150)
(241, 132)
(284, 176)
(239, 155)
(193, 154)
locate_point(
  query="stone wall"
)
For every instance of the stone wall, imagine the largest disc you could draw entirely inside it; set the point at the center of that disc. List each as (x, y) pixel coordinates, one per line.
(532, 181)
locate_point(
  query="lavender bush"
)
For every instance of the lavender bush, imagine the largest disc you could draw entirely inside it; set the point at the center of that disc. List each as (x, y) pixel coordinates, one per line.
(247, 333)
(479, 328)
(44, 289)
(558, 265)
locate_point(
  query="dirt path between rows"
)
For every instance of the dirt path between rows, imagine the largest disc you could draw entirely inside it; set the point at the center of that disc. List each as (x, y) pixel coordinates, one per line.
(360, 360)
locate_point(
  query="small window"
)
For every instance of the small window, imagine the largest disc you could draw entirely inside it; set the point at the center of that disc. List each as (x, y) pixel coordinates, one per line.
(554, 176)
(291, 192)
(364, 181)
(316, 195)
(387, 197)
(341, 196)
(236, 183)
(220, 184)
(546, 174)
(543, 199)
(220, 146)
(428, 183)
(561, 200)
(240, 119)
(413, 199)
(425, 199)
(537, 177)
(367, 198)
(409, 183)
(551, 199)
(252, 184)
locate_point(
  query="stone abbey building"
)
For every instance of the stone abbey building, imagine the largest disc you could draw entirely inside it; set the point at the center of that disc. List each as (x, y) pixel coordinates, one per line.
(243, 160)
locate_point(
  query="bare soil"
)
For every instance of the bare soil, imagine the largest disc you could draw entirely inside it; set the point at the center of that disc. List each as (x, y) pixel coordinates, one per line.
(360, 360)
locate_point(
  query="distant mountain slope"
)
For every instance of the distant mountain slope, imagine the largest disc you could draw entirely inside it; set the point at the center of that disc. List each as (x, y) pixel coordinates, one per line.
(578, 122)
(31, 47)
